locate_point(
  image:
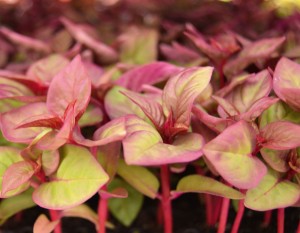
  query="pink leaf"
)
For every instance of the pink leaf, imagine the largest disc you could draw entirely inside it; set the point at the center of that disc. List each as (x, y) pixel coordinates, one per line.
(25, 41)
(55, 139)
(43, 71)
(11, 120)
(43, 225)
(281, 135)
(71, 85)
(258, 108)
(105, 53)
(286, 82)
(252, 89)
(151, 108)
(231, 155)
(212, 122)
(113, 131)
(147, 74)
(181, 91)
(16, 175)
(261, 49)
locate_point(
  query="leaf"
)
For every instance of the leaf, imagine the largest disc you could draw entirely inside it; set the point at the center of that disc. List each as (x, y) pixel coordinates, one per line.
(16, 175)
(279, 111)
(108, 156)
(43, 71)
(286, 82)
(11, 120)
(8, 157)
(276, 159)
(143, 145)
(118, 105)
(116, 193)
(199, 41)
(55, 139)
(103, 51)
(25, 41)
(180, 54)
(254, 88)
(43, 225)
(230, 154)
(113, 131)
(148, 74)
(50, 161)
(214, 123)
(225, 109)
(148, 104)
(203, 184)
(258, 108)
(261, 49)
(82, 211)
(93, 115)
(139, 45)
(71, 85)
(13, 205)
(11, 88)
(78, 177)
(140, 178)
(181, 91)
(280, 135)
(272, 193)
(127, 209)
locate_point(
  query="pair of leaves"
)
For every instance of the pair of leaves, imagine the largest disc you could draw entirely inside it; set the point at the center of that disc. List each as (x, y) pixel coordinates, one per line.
(67, 99)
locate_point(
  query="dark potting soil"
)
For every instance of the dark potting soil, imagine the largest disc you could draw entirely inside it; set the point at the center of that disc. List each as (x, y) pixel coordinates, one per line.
(189, 217)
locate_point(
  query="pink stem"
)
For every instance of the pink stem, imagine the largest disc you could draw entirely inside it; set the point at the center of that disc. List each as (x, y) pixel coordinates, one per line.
(280, 220)
(166, 200)
(102, 213)
(238, 217)
(267, 218)
(55, 215)
(224, 215)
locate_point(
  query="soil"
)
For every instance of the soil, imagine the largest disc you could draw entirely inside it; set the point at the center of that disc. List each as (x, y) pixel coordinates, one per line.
(189, 217)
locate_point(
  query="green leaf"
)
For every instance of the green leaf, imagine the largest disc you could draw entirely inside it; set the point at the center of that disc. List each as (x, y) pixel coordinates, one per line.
(11, 206)
(78, 177)
(139, 45)
(8, 157)
(118, 105)
(272, 193)
(278, 111)
(127, 209)
(140, 178)
(202, 184)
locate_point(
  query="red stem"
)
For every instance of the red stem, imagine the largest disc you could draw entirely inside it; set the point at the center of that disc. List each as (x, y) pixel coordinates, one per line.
(298, 229)
(217, 207)
(238, 217)
(267, 218)
(209, 209)
(55, 215)
(280, 220)
(166, 200)
(102, 213)
(224, 215)
(159, 214)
